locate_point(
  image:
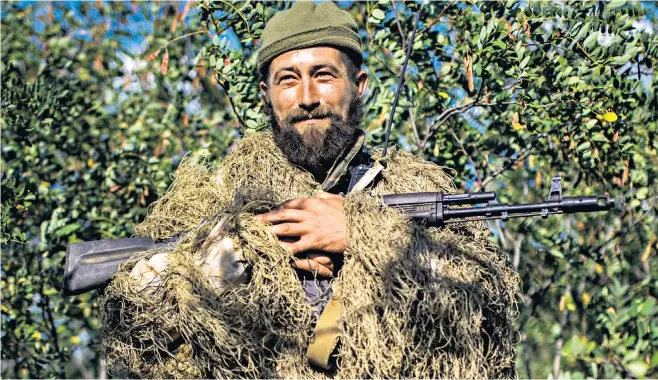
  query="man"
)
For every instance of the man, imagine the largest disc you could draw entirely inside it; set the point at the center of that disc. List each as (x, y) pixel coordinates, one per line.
(405, 300)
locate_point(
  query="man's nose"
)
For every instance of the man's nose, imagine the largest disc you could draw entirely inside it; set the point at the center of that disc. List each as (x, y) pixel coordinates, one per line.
(308, 96)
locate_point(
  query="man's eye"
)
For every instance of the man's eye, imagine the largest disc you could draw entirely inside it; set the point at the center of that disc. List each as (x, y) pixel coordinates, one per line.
(286, 77)
(325, 74)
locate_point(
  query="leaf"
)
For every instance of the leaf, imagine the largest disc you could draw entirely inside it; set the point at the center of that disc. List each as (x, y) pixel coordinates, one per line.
(649, 307)
(153, 55)
(654, 359)
(583, 31)
(508, 29)
(589, 124)
(584, 146)
(591, 40)
(378, 14)
(621, 60)
(468, 66)
(518, 127)
(499, 44)
(632, 50)
(615, 4)
(610, 117)
(165, 62)
(599, 137)
(556, 253)
(524, 63)
(586, 298)
(483, 35)
(67, 229)
(638, 368)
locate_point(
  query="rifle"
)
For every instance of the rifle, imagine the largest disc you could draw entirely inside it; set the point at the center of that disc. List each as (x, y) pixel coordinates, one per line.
(91, 265)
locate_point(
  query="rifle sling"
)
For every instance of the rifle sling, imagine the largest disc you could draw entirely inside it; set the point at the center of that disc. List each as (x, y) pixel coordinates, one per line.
(325, 336)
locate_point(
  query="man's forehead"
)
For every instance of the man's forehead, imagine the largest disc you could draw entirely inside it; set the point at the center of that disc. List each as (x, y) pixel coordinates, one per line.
(308, 57)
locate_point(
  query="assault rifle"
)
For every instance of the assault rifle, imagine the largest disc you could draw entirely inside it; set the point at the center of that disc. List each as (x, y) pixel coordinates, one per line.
(91, 265)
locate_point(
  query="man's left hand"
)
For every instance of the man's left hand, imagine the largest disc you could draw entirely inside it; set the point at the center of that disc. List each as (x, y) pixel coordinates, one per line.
(319, 223)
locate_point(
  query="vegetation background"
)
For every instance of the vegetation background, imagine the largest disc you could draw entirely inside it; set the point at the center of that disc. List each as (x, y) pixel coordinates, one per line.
(101, 100)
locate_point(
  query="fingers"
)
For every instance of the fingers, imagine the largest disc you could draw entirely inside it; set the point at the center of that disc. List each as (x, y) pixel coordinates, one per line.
(147, 273)
(297, 203)
(313, 267)
(159, 262)
(282, 215)
(299, 246)
(322, 259)
(289, 229)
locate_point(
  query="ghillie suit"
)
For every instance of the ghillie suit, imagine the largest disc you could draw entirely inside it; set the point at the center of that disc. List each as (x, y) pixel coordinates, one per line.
(415, 301)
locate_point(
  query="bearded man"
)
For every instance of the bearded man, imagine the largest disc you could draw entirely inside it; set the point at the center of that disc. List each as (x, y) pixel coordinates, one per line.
(297, 277)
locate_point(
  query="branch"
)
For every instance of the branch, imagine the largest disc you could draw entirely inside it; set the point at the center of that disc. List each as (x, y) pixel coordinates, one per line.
(525, 358)
(470, 160)
(184, 36)
(560, 341)
(244, 19)
(230, 99)
(86, 374)
(397, 21)
(412, 118)
(445, 115)
(522, 156)
(438, 18)
(517, 252)
(47, 315)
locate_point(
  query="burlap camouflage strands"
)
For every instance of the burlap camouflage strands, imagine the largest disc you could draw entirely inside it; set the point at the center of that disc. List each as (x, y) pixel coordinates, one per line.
(416, 302)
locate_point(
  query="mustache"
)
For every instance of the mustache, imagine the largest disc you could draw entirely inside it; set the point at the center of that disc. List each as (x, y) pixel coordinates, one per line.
(320, 112)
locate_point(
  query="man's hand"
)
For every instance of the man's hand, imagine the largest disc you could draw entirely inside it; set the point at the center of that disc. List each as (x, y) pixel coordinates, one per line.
(318, 223)
(147, 273)
(218, 259)
(221, 261)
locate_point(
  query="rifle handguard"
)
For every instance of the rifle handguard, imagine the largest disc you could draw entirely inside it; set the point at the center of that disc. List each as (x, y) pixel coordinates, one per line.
(434, 208)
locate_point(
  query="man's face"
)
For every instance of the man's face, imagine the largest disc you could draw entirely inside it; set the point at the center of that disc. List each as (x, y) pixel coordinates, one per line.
(314, 105)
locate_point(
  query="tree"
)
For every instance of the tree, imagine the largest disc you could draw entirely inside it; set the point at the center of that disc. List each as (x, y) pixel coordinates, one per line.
(90, 137)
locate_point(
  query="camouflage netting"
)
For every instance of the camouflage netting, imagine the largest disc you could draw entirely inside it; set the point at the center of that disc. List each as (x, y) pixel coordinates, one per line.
(416, 301)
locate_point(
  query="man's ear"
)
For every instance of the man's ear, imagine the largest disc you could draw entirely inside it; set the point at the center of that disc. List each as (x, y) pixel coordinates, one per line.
(362, 82)
(263, 91)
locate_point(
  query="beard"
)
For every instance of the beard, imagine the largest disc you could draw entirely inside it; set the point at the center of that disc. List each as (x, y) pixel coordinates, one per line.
(316, 149)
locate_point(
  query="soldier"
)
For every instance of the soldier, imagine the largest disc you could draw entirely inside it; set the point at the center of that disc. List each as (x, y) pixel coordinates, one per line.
(391, 298)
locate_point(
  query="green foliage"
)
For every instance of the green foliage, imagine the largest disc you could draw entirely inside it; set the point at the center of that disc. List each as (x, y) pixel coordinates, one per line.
(506, 95)
(88, 143)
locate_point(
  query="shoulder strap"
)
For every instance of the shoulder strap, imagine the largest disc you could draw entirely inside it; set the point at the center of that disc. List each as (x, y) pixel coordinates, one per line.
(325, 336)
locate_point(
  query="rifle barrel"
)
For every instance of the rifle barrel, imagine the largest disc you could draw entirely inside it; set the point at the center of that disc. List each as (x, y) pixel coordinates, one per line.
(566, 205)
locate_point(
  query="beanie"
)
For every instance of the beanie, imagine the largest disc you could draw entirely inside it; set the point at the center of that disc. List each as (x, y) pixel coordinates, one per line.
(307, 24)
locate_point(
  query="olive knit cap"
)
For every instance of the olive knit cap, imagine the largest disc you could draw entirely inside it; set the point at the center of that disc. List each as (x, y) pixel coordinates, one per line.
(307, 24)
